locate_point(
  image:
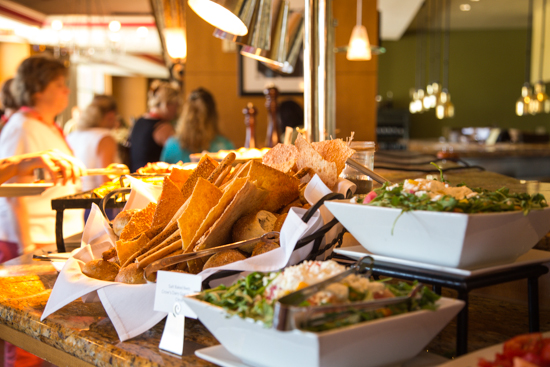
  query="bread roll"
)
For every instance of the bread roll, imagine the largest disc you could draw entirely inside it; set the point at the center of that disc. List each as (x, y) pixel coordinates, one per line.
(253, 225)
(122, 219)
(101, 269)
(263, 247)
(223, 258)
(131, 274)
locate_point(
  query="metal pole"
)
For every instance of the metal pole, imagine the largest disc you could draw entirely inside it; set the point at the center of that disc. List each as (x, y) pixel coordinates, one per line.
(318, 70)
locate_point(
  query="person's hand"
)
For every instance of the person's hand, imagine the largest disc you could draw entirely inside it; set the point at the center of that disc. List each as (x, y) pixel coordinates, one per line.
(58, 164)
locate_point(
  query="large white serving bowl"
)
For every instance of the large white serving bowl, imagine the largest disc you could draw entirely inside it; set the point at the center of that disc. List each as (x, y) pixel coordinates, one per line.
(375, 343)
(466, 241)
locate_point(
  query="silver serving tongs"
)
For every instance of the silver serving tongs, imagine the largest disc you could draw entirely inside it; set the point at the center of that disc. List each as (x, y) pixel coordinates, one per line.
(289, 315)
(367, 171)
(172, 260)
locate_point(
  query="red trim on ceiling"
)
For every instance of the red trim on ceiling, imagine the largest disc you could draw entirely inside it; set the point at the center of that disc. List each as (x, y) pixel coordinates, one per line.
(19, 16)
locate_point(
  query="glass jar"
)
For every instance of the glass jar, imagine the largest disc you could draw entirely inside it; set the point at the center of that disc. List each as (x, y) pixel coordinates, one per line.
(364, 154)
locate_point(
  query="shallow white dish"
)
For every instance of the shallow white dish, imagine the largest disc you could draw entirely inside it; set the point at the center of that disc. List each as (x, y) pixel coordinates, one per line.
(471, 359)
(10, 190)
(531, 257)
(455, 240)
(375, 343)
(220, 356)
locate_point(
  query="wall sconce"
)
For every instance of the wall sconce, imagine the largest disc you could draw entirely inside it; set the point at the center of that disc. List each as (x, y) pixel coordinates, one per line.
(232, 16)
(170, 19)
(359, 45)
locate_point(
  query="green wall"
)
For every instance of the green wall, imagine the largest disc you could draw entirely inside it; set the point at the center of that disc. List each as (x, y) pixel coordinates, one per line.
(486, 72)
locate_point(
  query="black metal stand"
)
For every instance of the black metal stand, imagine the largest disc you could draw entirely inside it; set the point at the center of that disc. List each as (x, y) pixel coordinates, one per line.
(464, 284)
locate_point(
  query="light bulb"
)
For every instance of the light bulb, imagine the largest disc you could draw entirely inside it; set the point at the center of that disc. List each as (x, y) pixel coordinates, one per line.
(523, 102)
(142, 32)
(359, 45)
(219, 16)
(57, 25)
(176, 43)
(114, 26)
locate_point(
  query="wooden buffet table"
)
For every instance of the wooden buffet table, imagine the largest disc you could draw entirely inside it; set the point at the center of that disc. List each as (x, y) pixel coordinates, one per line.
(82, 334)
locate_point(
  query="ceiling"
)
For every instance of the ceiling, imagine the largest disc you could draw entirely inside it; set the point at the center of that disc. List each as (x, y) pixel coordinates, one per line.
(396, 15)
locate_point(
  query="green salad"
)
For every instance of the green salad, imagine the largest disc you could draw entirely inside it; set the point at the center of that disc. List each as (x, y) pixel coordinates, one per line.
(255, 295)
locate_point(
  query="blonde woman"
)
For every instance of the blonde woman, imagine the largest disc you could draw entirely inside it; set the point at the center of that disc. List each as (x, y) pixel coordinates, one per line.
(197, 129)
(92, 141)
(151, 131)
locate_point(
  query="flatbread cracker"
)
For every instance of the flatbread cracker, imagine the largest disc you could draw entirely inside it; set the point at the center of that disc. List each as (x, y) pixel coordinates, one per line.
(204, 168)
(309, 157)
(247, 200)
(205, 196)
(125, 249)
(170, 200)
(282, 188)
(140, 222)
(213, 215)
(179, 176)
(336, 151)
(282, 157)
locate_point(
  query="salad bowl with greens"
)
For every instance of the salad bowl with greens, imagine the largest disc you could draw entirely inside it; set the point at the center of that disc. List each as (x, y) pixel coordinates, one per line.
(429, 221)
(240, 317)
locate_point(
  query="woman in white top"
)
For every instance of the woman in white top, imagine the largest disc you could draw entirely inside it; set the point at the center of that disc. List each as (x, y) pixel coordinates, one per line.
(92, 142)
(40, 87)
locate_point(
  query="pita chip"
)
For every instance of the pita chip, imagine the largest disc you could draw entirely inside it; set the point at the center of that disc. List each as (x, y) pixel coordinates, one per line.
(282, 188)
(282, 157)
(309, 157)
(247, 200)
(204, 168)
(140, 222)
(336, 151)
(125, 249)
(204, 197)
(179, 176)
(170, 200)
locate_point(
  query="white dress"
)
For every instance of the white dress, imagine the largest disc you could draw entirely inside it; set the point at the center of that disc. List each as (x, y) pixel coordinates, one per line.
(84, 144)
(32, 217)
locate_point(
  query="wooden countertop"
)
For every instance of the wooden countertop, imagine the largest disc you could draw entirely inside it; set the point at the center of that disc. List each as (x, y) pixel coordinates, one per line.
(82, 334)
(480, 150)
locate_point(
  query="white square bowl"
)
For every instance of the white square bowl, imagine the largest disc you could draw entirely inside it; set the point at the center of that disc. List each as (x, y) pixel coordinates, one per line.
(379, 342)
(466, 241)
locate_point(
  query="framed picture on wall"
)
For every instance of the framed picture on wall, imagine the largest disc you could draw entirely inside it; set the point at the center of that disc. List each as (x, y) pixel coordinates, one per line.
(254, 77)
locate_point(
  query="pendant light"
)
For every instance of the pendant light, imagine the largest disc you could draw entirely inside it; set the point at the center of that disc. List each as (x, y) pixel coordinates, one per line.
(523, 102)
(417, 94)
(539, 102)
(232, 16)
(445, 108)
(430, 98)
(359, 45)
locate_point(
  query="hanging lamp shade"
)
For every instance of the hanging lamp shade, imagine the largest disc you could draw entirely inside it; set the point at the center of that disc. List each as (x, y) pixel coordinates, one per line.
(279, 40)
(359, 45)
(232, 16)
(295, 42)
(523, 102)
(176, 42)
(539, 102)
(259, 30)
(445, 108)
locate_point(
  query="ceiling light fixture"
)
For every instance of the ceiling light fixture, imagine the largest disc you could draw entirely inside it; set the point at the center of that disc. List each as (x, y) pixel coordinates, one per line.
(359, 45)
(114, 26)
(523, 102)
(232, 16)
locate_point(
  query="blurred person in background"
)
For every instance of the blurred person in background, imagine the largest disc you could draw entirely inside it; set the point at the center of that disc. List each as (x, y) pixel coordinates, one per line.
(27, 223)
(197, 129)
(70, 125)
(9, 106)
(290, 114)
(151, 131)
(92, 141)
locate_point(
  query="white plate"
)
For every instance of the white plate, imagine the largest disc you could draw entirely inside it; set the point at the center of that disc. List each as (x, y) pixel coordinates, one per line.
(471, 359)
(382, 342)
(531, 257)
(9, 190)
(220, 356)
(455, 240)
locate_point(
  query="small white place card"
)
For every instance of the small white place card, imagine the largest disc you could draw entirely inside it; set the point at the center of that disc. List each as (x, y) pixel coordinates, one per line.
(170, 290)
